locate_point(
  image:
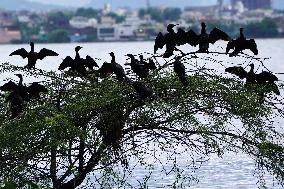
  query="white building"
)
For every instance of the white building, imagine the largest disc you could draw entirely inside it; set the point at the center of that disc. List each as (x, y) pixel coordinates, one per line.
(81, 22)
(107, 33)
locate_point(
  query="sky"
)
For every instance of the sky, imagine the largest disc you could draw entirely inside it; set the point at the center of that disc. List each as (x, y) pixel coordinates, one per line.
(134, 3)
(64, 2)
(120, 2)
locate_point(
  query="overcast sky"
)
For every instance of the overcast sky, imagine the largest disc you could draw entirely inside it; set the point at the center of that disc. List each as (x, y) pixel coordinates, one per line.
(64, 2)
(80, 3)
(121, 2)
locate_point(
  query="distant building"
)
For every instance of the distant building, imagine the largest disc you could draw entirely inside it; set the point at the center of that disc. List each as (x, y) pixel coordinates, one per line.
(83, 22)
(107, 33)
(10, 34)
(254, 4)
(107, 20)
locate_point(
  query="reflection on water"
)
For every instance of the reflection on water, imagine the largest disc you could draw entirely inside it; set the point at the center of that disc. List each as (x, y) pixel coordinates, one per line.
(235, 171)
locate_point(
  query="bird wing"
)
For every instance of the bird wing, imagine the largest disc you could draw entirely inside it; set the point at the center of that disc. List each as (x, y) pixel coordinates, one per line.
(251, 44)
(46, 52)
(181, 37)
(238, 71)
(67, 62)
(10, 86)
(22, 52)
(217, 34)
(90, 62)
(151, 64)
(160, 41)
(192, 38)
(265, 77)
(105, 69)
(35, 88)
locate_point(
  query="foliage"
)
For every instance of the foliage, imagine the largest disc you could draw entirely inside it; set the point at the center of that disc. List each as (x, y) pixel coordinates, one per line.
(116, 17)
(266, 28)
(88, 12)
(86, 124)
(58, 36)
(169, 14)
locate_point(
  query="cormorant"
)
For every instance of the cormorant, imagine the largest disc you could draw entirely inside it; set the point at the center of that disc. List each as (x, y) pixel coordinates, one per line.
(25, 92)
(137, 67)
(204, 38)
(16, 104)
(78, 64)
(105, 70)
(169, 39)
(117, 68)
(240, 44)
(179, 69)
(142, 89)
(148, 66)
(264, 79)
(33, 56)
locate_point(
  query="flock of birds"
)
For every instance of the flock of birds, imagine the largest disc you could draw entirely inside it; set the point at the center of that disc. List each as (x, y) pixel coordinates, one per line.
(19, 93)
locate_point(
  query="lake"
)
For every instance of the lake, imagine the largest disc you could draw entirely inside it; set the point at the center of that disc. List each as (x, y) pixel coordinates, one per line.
(234, 171)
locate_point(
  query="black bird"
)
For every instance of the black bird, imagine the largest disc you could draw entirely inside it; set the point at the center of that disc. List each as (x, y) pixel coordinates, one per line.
(33, 56)
(264, 79)
(137, 67)
(35, 89)
(105, 70)
(148, 66)
(90, 63)
(240, 44)
(18, 88)
(16, 104)
(169, 39)
(204, 38)
(179, 69)
(144, 91)
(117, 68)
(25, 92)
(78, 64)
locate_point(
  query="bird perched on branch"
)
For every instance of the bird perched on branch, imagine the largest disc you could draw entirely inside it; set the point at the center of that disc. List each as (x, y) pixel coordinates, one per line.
(169, 39)
(144, 91)
(150, 65)
(16, 104)
(179, 69)
(27, 93)
(78, 64)
(105, 70)
(137, 67)
(240, 44)
(204, 39)
(117, 68)
(264, 79)
(19, 93)
(33, 56)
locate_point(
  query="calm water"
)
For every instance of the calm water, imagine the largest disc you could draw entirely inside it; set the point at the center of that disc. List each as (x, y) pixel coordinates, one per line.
(235, 171)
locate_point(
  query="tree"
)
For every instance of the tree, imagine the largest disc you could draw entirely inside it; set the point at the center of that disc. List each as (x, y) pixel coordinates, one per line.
(266, 28)
(116, 17)
(88, 12)
(86, 124)
(172, 14)
(58, 36)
